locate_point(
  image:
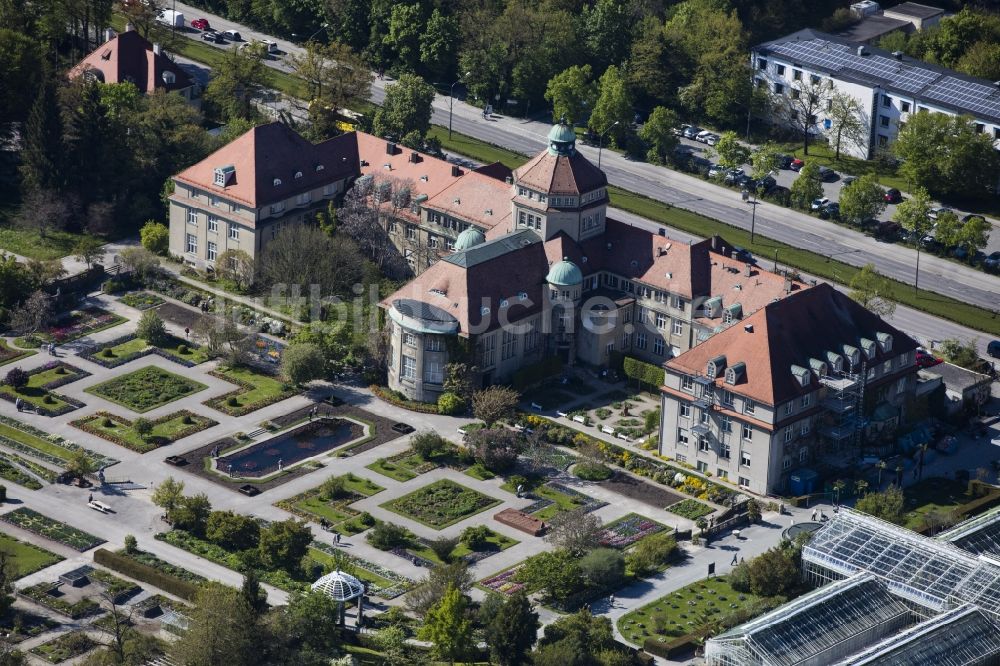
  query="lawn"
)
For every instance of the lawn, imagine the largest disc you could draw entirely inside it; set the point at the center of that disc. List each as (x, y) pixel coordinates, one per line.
(65, 647)
(256, 391)
(26, 558)
(495, 543)
(551, 499)
(166, 429)
(402, 467)
(685, 611)
(131, 348)
(8, 354)
(933, 495)
(41, 381)
(32, 441)
(42, 525)
(441, 504)
(146, 388)
(690, 509)
(342, 518)
(29, 243)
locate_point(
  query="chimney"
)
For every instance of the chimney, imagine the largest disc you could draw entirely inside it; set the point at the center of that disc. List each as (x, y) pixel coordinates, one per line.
(390, 148)
(109, 34)
(862, 51)
(748, 328)
(898, 55)
(456, 171)
(157, 50)
(746, 269)
(788, 284)
(414, 157)
(129, 27)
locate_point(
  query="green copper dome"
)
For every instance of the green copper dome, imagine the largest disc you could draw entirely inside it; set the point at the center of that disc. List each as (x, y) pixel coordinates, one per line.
(471, 237)
(562, 139)
(564, 273)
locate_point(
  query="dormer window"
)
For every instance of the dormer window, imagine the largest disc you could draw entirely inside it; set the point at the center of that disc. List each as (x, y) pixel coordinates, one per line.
(523, 296)
(713, 307)
(733, 313)
(836, 361)
(169, 78)
(504, 303)
(818, 367)
(852, 355)
(736, 373)
(801, 375)
(319, 167)
(484, 311)
(277, 182)
(224, 175)
(868, 347)
(220, 178)
(715, 366)
(885, 342)
(298, 174)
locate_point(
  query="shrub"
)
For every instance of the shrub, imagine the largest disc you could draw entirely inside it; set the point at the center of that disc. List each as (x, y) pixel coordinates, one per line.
(647, 373)
(106, 422)
(231, 401)
(366, 519)
(386, 536)
(497, 449)
(155, 237)
(146, 574)
(450, 403)
(3, 494)
(333, 488)
(476, 537)
(48, 399)
(131, 545)
(187, 420)
(443, 547)
(772, 573)
(183, 349)
(592, 471)
(143, 427)
(427, 443)
(16, 378)
(151, 328)
(107, 353)
(603, 568)
(739, 577)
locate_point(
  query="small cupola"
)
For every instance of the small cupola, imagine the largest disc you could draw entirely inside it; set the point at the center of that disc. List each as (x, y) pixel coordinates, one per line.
(564, 274)
(562, 139)
(469, 238)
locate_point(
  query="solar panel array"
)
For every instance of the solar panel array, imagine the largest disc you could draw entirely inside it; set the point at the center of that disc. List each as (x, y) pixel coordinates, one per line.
(976, 98)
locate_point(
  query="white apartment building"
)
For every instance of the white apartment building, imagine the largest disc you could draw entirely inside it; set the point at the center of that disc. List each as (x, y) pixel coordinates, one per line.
(887, 86)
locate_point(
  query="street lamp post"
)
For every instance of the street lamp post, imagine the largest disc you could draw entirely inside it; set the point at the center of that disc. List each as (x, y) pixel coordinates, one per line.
(776, 259)
(600, 141)
(753, 215)
(321, 29)
(451, 100)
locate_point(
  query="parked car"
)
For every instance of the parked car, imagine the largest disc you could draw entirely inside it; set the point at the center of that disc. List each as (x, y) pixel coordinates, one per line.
(212, 36)
(831, 211)
(888, 230)
(692, 131)
(937, 212)
(766, 184)
(992, 262)
(972, 216)
(716, 170)
(679, 131)
(796, 164)
(847, 180)
(199, 24)
(993, 348)
(702, 136)
(733, 175)
(826, 174)
(712, 139)
(232, 35)
(819, 204)
(893, 196)
(784, 161)
(925, 360)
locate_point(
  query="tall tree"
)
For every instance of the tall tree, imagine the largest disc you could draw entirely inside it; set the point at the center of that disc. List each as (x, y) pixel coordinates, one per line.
(614, 104)
(873, 291)
(406, 109)
(223, 631)
(572, 93)
(974, 236)
(510, 627)
(764, 160)
(448, 626)
(801, 106)
(807, 186)
(42, 152)
(494, 403)
(658, 132)
(168, 494)
(302, 256)
(607, 27)
(650, 73)
(336, 79)
(439, 45)
(732, 153)
(864, 199)
(406, 24)
(240, 77)
(32, 315)
(20, 76)
(913, 215)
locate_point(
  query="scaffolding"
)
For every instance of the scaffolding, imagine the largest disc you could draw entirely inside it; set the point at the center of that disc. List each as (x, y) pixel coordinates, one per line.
(845, 393)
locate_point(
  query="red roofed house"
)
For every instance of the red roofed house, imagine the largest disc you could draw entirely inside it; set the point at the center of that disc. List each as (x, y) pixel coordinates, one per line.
(811, 374)
(244, 194)
(128, 57)
(530, 267)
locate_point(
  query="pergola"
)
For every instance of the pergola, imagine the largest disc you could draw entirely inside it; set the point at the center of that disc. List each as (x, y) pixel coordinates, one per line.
(343, 587)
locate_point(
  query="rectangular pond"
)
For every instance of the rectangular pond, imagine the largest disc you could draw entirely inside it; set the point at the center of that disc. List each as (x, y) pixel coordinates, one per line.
(289, 448)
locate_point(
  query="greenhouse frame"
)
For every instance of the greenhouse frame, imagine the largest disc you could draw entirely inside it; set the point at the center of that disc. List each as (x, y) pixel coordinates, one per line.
(979, 535)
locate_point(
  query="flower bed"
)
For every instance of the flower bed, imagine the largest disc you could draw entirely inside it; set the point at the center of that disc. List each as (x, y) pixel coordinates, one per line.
(44, 446)
(124, 435)
(36, 523)
(441, 504)
(9, 354)
(146, 388)
(250, 396)
(66, 646)
(627, 530)
(95, 355)
(141, 300)
(505, 582)
(75, 325)
(117, 588)
(9, 471)
(690, 509)
(41, 593)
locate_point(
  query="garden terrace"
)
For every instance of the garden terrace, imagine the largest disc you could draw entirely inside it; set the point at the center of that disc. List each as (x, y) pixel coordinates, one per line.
(53, 449)
(26, 558)
(256, 391)
(290, 448)
(311, 505)
(19, 625)
(8, 354)
(75, 325)
(551, 498)
(43, 380)
(128, 348)
(690, 509)
(166, 429)
(402, 466)
(421, 549)
(141, 300)
(441, 504)
(691, 610)
(65, 647)
(36, 523)
(146, 389)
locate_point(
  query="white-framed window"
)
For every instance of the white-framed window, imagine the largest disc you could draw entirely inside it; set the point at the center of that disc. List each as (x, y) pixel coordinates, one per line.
(681, 459)
(678, 327)
(192, 244)
(744, 482)
(685, 411)
(658, 346)
(703, 444)
(640, 340)
(234, 231)
(449, 244)
(804, 454)
(220, 177)
(213, 223)
(687, 383)
(192, 217)
(786, 462)
(409, 339)
(749, 406)
(789, 407)
(789, 434)
(702, 466)
(682, 436)
(409, 368)
(433, 343)
(626, 340)
(725, 450)
(212, 251)
(744, 458)
(508, 346)
(721, 473)
(804, 428)
(747, 431)
(804, 401)
(432, 241)
(609, 348)
(661, 320)
(703, 416)
(728, 398)
(726, 424)
(489, 348)
(433, 372)
(411, 232)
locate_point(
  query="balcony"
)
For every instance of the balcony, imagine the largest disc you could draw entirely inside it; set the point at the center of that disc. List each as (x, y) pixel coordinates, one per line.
(704, 401)
(700, 429)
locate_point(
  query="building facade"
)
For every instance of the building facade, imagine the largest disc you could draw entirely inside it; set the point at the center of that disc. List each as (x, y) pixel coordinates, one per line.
(887, 88)
(808, 375)
(536, 269)
(245, 194)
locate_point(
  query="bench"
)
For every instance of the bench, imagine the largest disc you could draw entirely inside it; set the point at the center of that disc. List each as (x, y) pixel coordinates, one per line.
(99, 506)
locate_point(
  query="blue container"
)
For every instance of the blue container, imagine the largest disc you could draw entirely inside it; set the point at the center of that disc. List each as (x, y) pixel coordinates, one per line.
(802, 482)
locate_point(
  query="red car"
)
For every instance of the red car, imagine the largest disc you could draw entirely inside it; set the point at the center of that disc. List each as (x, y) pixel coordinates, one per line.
(796, 164)
(925, 360)
(199, 24)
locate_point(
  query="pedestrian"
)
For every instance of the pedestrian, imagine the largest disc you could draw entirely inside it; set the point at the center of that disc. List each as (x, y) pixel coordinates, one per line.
(612, 601)
(17, 404)
(733, 563)
(741, 560)
(90, 498)
(814, 515)
(187, 332)
(336, 539)
(520, 490)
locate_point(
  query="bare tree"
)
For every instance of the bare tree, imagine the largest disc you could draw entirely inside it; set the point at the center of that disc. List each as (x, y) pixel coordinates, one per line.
(224, 338)
(336, 78)
(236, 266)
(575, 530)
(44, 210)
(801, 106)
(370, 210)
(848, 122)
(304, 256)
(140, 261)
(32, 315)
(45, 270)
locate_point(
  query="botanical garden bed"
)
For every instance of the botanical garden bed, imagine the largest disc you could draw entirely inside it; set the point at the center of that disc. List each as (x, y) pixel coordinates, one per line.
(129, 347)
(26, 558)
(8, 354)
(690, 509)
(256, 391)
(628, 530)
(166, 429)
(48, 594)
(42, 525)
(141, 300)
(75, 325)
(146, 388)
(66, 646)
(441, 504)
(31, 441)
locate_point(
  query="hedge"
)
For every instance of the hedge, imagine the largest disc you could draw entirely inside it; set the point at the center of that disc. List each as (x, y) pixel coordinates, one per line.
(676, 648)
(646, 373)
(536, 372)
(146, 574)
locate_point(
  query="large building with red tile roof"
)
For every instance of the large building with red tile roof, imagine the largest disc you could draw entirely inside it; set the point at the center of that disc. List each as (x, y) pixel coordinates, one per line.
(530, 267)
(810, 374)
(244, 194)
(129, 58)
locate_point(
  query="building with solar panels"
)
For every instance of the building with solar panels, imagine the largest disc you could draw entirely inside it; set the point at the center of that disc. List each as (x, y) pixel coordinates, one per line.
(887, 87)
(887, 596)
